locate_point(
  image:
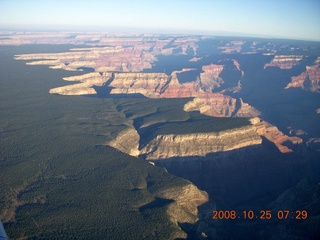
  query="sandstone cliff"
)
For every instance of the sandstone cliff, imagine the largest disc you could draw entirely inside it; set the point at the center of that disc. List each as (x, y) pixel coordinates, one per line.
(170, 145)
(308, 80)
(166, 146)
(284, 61)
(219, 105)
(148, 84)
(87, 82)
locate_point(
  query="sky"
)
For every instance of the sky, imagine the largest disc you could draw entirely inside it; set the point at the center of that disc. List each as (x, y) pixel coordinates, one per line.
(291, 19)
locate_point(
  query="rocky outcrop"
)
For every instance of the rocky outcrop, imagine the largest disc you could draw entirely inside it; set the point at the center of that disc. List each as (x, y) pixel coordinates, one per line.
(195, 59)
(209, 78)
(245, 110)
(308, 80)
(284, 61)
(148, 84)
(87, 82)
(183, 145)
(282, 141)
(127, 141)
(219, 105)
(160, 85)
(232, 47)
(101, 59)
(313, 143)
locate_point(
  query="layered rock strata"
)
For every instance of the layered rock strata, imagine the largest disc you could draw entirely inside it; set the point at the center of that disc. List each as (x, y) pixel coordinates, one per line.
(209, 78)
(85, 85)
(284, 61)
(282, 141)
(219, 105)
(166, 146)
(101, 59)
(170, 145)
(309, 79)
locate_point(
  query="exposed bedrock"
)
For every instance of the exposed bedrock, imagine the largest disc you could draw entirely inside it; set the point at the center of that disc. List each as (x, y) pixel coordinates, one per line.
(284, 61)
(199, 144)
(209, 78)
(85, 85)
(309, 79)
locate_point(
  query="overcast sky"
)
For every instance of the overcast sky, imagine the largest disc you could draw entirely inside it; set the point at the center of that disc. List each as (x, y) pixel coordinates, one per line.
(298, 19)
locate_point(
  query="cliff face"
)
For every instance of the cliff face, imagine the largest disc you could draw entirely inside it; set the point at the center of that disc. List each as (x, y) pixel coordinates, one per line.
(127, 141)
(209, 78)
(87, 82)
(199, 144)
(284, 61)
(166, 146)
(148, 84)
(282, 141)
(219, 105)
(117, 58)
(308, 80)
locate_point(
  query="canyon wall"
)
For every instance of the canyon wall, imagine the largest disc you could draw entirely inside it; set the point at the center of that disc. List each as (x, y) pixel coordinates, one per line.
(284, 61)
(199, 144)
(309, 79)
(209, 78)
(85, 85)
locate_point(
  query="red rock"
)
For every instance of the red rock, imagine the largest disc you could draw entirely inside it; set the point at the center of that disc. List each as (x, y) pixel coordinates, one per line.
(308, 80)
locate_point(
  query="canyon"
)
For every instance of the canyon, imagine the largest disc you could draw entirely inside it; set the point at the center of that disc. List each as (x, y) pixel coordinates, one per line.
(118, 70)
(149, 112)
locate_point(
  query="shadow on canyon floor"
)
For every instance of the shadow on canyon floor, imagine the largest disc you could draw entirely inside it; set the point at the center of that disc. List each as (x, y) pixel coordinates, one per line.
(252, 178)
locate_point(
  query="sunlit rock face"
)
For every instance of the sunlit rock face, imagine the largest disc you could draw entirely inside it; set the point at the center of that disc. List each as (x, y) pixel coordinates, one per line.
(100, 59)
(284, 61)
(85, 84)
(199, 144)
(209, 78)
(309, 79)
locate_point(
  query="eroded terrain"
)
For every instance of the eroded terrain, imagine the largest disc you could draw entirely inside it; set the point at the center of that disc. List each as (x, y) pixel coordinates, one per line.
(211, 110)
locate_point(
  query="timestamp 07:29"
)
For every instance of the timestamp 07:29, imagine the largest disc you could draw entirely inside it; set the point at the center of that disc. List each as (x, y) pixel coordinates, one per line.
(262, 214)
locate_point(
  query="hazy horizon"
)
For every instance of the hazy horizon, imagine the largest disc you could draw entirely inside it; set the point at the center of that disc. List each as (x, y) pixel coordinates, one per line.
(295, 19)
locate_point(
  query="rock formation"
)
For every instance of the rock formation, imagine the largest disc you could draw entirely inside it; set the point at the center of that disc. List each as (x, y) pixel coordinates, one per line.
(284, 61)
(209, 78)
(233, 46)
(170, 145)
(118, 58)
(148, 84)
(308, 80)
(87, 82)
(127, 141)
(117, 69)
(273, 134)
(219, 105)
